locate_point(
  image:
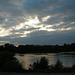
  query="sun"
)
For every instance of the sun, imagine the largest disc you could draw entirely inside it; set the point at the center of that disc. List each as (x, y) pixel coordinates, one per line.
(32, 21)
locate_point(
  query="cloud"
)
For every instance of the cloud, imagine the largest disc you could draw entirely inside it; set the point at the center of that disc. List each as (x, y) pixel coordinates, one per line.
(44, 37)
(33, 21)
(45, 18)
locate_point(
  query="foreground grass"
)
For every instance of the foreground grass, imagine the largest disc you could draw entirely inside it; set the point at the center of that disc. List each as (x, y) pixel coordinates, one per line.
(6, 73)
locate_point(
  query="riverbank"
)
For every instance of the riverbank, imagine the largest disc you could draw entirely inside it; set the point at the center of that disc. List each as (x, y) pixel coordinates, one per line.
(6, 73)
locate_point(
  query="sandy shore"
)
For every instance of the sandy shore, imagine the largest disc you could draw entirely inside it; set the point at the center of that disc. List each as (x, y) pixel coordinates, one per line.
(37, 73)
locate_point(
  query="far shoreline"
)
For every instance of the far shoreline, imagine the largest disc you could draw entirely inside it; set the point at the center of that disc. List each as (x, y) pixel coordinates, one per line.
(21, 54)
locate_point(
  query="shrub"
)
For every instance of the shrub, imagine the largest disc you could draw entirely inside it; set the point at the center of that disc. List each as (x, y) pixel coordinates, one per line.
(41, 65)
(9, 63)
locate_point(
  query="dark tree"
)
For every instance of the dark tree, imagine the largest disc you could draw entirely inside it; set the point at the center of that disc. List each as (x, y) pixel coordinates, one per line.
(58, 66)
(8, 63)
(41, 65)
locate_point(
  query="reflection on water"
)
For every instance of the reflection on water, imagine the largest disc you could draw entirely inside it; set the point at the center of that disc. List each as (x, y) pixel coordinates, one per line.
(68, 59)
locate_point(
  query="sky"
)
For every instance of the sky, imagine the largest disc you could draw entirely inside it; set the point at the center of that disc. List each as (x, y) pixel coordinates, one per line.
(39, 22)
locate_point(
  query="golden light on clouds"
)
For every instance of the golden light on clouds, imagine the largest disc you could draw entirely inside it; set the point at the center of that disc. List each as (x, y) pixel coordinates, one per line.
(57, 24)
(4, 41)
(22, 25)
(46, 18)
(63, 29)
(73, 23)
(47, 29)
(32, 21)
(4, 32)
(25, 33)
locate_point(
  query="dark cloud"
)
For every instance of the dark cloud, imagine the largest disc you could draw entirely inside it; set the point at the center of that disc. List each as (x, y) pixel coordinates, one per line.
(64, 10)
(36, 7)
(14, 13)
(2, 19)
(44, 37)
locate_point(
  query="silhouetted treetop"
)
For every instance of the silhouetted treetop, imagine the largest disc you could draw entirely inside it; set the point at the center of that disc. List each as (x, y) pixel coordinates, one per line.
(38, 48)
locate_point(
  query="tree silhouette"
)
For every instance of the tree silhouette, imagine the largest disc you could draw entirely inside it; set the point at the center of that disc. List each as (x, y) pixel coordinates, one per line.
(41, 65)
(58, 66)
(38, 48)
(9, 63)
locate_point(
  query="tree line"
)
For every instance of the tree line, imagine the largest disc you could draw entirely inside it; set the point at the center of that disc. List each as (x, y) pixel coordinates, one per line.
(38, 48)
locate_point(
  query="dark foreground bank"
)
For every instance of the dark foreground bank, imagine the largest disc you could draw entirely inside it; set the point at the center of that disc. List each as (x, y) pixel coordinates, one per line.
(5, 73)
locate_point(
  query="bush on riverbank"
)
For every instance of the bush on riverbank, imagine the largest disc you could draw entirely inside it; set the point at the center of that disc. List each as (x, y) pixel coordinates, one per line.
(8, 63)
(43, 66)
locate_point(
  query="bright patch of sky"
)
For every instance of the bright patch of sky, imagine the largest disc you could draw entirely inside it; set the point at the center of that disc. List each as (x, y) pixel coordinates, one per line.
(31, 20)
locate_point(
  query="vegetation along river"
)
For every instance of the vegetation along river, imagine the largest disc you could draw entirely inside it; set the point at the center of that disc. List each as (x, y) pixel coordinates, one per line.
(68, 58)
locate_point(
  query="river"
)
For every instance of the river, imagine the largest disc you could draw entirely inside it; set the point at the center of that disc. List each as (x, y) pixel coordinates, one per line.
(67, 58)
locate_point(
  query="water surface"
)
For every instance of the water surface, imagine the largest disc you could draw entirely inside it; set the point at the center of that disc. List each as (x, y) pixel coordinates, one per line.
(68, 58)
